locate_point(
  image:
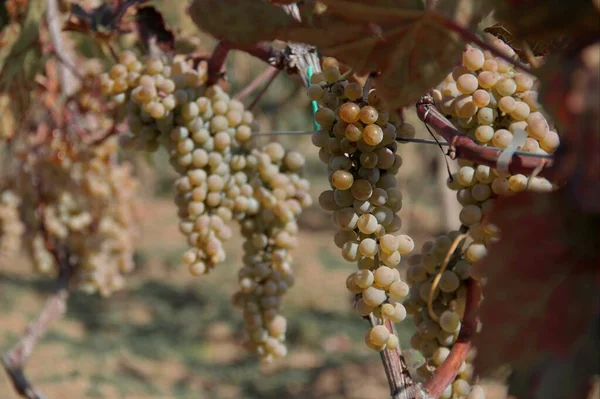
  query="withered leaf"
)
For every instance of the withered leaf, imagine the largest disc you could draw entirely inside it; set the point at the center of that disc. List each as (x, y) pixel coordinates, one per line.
(150, 25)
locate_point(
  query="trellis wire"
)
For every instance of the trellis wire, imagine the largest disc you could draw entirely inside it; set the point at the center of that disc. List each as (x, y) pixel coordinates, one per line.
(399, 139)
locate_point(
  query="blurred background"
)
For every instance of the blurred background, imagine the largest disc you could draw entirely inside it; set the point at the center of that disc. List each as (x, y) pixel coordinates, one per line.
(171, 335)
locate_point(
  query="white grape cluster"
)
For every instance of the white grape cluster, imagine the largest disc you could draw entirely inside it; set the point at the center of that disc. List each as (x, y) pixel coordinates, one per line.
(357, 142)
(205, 133)
(224, 177)
(83, 202)
(435, 338)
(493, 104)
(269, 235)
(11, 227)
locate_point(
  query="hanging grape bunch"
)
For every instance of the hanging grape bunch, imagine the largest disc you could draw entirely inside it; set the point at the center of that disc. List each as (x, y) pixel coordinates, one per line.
(269, 236)
(357, 142)
(202, 129)
(81, 201)
(496, 106)
(224, 177)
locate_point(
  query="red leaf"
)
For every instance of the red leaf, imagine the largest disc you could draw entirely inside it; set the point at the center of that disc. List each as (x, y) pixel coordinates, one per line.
(572, 94)
(543, 281)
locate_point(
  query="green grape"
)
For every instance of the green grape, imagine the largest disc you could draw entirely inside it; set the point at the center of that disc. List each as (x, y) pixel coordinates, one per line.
(473, 59)
(378, 335)
(450, 321)
(467, 84)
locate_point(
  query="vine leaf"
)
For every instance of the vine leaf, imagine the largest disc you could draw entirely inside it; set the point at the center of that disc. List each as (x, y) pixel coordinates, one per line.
(543, 291)
(572, 94)
(240, 21)
(534, 20)
(407, 43)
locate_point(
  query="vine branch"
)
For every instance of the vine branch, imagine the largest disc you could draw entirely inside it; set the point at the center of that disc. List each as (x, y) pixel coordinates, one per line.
(267, 75)
(15, 359)
(448, 370)
(401, 384)
(54, 308)
(462, 146)
(294, 58)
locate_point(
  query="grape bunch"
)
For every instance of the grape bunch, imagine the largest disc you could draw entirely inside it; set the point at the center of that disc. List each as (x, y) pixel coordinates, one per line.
(205, 133)
(269, 235)
(11, 227)
(357, 142)
(224, 176)
(436, 336)
(80, 200)
(494, 104)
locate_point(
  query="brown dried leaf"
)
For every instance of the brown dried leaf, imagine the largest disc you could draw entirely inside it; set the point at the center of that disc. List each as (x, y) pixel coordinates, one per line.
(538, 47)
(150, 25)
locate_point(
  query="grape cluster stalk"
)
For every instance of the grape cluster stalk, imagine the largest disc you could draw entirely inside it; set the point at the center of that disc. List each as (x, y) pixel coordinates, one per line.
(224, 176)
(357, 143)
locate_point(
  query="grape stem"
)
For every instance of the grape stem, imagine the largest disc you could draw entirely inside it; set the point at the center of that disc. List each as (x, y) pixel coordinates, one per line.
(293, 59)
(462, 146)
(266, 75)
(401, 384)
(447, 372)
(261, 50)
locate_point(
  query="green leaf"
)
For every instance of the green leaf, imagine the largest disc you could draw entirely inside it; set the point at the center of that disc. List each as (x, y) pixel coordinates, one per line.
(239, 21)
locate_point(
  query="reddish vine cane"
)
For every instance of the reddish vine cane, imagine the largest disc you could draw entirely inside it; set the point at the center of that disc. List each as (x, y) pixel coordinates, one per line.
(463, 147)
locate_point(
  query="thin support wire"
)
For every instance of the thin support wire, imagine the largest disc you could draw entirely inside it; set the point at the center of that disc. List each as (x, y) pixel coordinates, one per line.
(399, 139)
